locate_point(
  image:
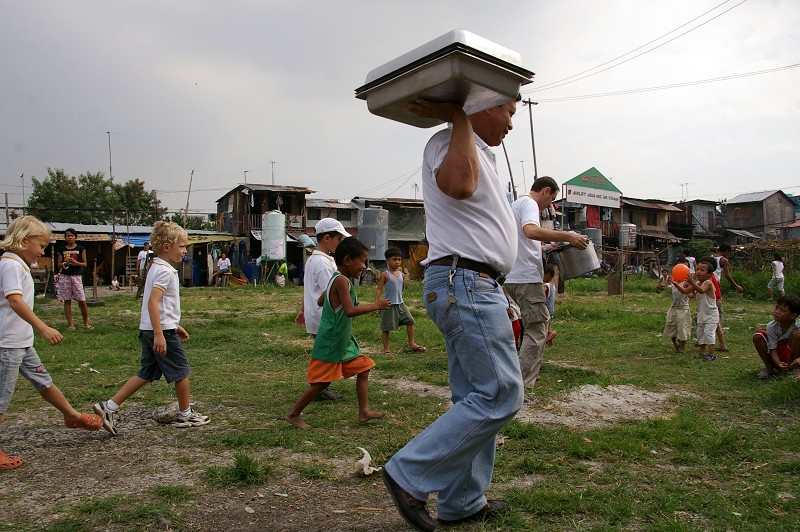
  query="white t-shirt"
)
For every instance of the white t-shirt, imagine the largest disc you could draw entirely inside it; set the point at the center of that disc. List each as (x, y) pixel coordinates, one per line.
(480, 228)
(692, 262)
(777, 269)
(162, 276)
(15, 278)
(224, 265)
(528, 266)
(318, 271)
(718, 270)
(141, 258)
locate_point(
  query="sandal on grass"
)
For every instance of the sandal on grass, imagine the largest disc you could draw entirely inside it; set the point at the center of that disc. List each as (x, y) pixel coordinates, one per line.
(87, 422)
(9, 462)
(88, 327)
(765, 374)
(418, 348)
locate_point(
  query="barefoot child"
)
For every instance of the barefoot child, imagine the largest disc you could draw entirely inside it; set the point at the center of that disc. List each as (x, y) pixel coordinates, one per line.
(318, 270)
(779, 344)
(160, 332)
(25, 241)
(678, 327)
(392, 283)
(336, 353)
(707, 313)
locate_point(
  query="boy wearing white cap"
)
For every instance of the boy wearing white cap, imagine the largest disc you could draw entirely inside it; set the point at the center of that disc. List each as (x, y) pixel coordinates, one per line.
(318, 271)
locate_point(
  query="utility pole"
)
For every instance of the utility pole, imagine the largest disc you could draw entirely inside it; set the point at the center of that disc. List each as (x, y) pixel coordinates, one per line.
(245, 176)
(22, 178)
(273, 171)
(186, 212)
(110, 174)
(524, 184)
(530, 105)
(414, 185)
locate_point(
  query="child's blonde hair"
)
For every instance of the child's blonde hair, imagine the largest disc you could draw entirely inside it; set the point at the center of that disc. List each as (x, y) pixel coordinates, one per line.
(166, 233)
(22, 229)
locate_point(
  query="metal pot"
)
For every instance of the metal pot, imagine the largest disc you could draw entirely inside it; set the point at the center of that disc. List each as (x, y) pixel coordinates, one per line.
(574, 262)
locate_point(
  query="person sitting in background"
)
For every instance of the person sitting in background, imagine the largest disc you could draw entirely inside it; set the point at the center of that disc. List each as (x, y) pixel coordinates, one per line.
(223, 269)
(778, 345)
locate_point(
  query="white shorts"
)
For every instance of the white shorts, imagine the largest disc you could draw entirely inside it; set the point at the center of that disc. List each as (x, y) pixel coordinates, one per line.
(707, 333)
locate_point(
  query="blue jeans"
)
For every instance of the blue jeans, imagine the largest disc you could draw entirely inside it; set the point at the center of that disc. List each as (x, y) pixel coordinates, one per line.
(455, 454)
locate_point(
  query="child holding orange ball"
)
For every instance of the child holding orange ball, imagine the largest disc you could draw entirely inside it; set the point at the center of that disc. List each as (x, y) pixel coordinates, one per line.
(679, 318)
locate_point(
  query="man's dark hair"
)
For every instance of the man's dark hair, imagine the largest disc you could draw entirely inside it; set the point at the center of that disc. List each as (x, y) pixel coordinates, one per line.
(544, 181)
(70, 230)
(791, 302)
(392, 252)
(349, 247)
(549, 269)
(724, 247)
(776, 256)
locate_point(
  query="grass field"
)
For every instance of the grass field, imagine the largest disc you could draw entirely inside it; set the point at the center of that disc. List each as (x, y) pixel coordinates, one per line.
(727, 457)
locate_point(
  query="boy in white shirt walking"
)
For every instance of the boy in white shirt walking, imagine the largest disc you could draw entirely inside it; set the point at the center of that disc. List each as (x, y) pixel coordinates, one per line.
(160, 332)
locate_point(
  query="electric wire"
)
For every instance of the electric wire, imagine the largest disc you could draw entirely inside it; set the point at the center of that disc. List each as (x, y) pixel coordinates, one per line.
(555, 84)
(671, 86)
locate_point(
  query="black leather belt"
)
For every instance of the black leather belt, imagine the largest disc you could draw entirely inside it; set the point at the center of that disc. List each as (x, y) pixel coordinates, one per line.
(469, 264)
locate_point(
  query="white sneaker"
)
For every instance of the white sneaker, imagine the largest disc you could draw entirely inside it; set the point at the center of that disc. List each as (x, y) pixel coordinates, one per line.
(108, 416)
(194, 419)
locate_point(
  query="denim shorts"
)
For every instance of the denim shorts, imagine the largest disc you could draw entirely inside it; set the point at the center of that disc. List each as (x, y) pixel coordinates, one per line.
(174, 365)
(24, 360)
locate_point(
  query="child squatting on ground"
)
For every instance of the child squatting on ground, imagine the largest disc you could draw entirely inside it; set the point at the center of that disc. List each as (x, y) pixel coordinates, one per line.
(779, 344)
(707, 313)
(25, 241)
(336, 353)
(392, 283)
(678, 326)
(160, 332)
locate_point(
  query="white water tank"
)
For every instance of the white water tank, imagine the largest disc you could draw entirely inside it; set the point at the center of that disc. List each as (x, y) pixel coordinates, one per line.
(595, 235)
(273, 235)
(373, 230)
(627, 236)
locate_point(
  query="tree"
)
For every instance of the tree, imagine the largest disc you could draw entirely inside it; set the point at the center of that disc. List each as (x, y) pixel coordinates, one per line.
(193, 222)
(91, 199)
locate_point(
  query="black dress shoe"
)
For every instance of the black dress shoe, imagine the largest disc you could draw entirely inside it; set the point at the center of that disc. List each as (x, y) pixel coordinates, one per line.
(411, 509)
(492, 509)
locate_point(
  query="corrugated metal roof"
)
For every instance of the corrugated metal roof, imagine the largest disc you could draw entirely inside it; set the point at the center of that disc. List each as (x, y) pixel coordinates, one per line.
(258, 187)
(328, 204)
(753, 196)
(651, 204)
(662, 235)
(743, 233)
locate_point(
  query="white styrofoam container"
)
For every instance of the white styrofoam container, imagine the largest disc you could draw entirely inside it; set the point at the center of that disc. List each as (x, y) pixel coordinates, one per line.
(457, 67)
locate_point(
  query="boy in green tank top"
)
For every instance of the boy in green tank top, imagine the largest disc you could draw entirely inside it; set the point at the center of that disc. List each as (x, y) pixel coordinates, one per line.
(336, 354)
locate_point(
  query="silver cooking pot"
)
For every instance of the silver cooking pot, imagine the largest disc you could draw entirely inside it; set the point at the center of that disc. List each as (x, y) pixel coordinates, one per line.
(574, 262)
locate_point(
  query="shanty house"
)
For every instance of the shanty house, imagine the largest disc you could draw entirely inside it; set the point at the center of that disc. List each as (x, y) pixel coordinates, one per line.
(241, 209)
(760, 213)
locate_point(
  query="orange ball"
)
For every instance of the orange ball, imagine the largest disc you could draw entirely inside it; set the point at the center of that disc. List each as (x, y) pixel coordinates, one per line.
(680, 272)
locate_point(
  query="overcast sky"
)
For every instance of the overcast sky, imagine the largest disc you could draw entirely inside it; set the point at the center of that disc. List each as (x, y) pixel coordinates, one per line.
(263, 86)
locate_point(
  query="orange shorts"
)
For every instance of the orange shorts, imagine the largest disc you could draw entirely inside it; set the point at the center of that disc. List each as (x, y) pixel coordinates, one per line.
(319, 371)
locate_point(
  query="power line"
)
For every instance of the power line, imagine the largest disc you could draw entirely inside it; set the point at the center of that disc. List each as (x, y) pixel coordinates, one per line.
(404, 177)
(555, 84)
(671, 86)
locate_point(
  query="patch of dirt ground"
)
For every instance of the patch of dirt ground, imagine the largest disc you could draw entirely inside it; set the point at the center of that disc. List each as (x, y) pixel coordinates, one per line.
(64, 467)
